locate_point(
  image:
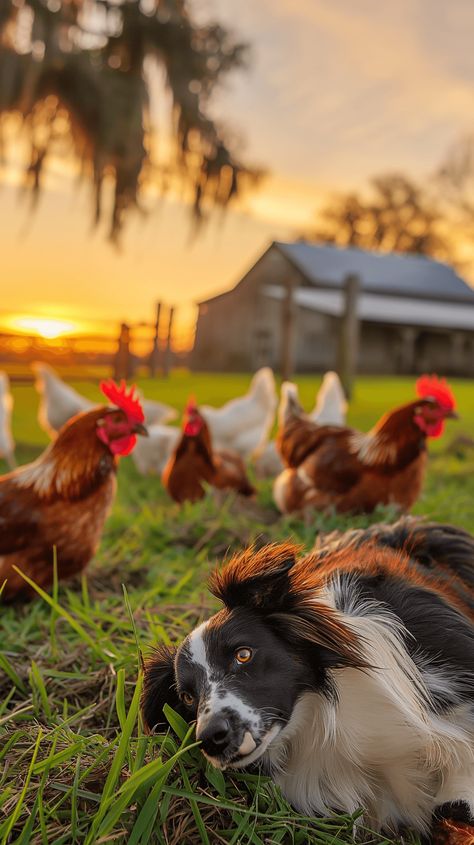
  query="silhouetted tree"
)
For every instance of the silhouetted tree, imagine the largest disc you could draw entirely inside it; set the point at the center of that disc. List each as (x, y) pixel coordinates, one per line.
(455, 178)
(395, 215)
(79, 71)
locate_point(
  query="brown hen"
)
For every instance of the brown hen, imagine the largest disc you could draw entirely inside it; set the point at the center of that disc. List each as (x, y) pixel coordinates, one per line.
(194, 462)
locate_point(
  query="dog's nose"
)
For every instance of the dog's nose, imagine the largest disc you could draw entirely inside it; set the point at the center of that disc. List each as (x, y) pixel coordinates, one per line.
(215, 737)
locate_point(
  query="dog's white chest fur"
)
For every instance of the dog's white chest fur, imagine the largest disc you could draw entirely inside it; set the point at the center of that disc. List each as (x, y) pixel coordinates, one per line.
(375, 745)
(341, 757)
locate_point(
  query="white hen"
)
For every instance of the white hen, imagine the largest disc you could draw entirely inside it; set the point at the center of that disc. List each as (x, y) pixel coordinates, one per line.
(244, 424)
(330, 409)
(7, 444)
(156, 413)
(59, 402)
(151, 453)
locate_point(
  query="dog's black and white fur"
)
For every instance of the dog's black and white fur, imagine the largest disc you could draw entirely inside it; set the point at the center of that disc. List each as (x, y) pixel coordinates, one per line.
(357, 688)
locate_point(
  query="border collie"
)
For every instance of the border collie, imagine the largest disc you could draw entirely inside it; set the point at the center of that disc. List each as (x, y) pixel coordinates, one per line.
(348, 673)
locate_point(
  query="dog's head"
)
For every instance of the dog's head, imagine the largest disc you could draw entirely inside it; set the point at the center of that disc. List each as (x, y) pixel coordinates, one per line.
(240, 674)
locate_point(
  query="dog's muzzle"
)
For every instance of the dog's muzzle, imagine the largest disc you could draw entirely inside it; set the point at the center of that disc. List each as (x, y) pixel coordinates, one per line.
(227, 742)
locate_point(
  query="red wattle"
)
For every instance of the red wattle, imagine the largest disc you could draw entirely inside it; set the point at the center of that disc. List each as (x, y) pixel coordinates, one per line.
(193, 427)
(122, 446)
(434, 429)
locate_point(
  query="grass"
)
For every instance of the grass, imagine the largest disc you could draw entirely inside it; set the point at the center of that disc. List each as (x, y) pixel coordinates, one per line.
(75, 765)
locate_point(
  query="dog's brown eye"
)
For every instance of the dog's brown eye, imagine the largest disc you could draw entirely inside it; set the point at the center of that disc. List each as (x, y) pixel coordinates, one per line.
(243, 655)
(187, 698)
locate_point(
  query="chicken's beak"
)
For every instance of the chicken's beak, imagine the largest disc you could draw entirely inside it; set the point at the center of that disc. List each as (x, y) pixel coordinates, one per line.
(452, 415)
(139, 428)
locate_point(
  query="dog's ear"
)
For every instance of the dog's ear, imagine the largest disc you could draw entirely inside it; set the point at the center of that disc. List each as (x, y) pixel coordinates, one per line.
(256, 579)
(319, 632)
(160, 688)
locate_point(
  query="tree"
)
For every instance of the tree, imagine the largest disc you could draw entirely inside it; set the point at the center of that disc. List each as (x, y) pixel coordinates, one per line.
(396, 216)
(77, 73)
(455, 178)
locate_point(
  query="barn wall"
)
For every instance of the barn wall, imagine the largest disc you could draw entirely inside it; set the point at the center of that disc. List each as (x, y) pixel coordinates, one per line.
(447, 352)
(316, 342)
(223, 335)
(406, 350)
(240, 330)
(378, 349)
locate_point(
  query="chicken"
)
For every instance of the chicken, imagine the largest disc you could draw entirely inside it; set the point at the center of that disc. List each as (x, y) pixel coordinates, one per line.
(331, 403)
(329, 466)
(244, 424)
(452, 832)
(268, 462)
(59, 402)
(152, 453)
(7, 444)
(194, 462)
(63, 498)
(330, 409)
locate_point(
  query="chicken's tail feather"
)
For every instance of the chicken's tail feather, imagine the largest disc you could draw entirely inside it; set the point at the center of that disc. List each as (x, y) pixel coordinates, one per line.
(289, 403)
(263, 388)
(331, 403)
(44, 375)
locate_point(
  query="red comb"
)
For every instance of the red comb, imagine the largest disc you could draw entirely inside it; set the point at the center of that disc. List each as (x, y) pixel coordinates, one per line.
(432, 387)
(191, 406)
(128, 402)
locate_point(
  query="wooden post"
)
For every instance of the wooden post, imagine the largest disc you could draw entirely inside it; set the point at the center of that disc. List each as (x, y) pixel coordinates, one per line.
(459, 358)
(122, 363)
(168, 350)
(287, 332)
(349, 335)
(405, 357)
(155, 350)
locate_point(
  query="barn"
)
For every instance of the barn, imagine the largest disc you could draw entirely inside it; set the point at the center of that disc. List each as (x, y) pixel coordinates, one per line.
(414, 314)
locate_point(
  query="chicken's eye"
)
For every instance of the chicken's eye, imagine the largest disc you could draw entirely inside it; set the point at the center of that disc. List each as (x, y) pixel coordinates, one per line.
(187, 698)
(243, 655)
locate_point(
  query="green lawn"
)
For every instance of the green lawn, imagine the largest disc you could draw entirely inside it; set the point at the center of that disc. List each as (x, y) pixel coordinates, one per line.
(75, 766)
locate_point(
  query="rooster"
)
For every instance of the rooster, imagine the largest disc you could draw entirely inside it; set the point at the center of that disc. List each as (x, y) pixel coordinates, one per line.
(330, 409)
(62, 499)
(7, 444)
(60, 402)
(244, 424)
(194, 462)
(329, 466)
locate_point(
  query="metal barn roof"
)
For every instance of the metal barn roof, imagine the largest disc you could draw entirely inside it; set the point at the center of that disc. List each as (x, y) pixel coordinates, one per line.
(406, 311)
(385, 273)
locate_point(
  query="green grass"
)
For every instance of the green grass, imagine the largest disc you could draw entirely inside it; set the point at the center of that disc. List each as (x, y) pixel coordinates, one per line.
(75, 765)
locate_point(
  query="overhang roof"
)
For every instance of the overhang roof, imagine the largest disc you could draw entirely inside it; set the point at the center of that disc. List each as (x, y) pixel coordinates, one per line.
(407, 311)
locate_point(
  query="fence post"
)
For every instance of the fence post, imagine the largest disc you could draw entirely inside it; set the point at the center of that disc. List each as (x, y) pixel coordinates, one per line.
(287, 332)
(168, 350)
(155, 350)
(349, 334)
(122, 363)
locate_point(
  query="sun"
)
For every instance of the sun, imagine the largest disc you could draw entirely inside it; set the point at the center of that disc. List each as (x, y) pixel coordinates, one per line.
(43, 326)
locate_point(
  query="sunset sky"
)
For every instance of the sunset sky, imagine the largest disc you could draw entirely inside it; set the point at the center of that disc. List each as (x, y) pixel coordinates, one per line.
(337, 91)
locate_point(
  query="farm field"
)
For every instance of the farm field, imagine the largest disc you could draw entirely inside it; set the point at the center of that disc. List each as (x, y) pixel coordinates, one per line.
(75, 765)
